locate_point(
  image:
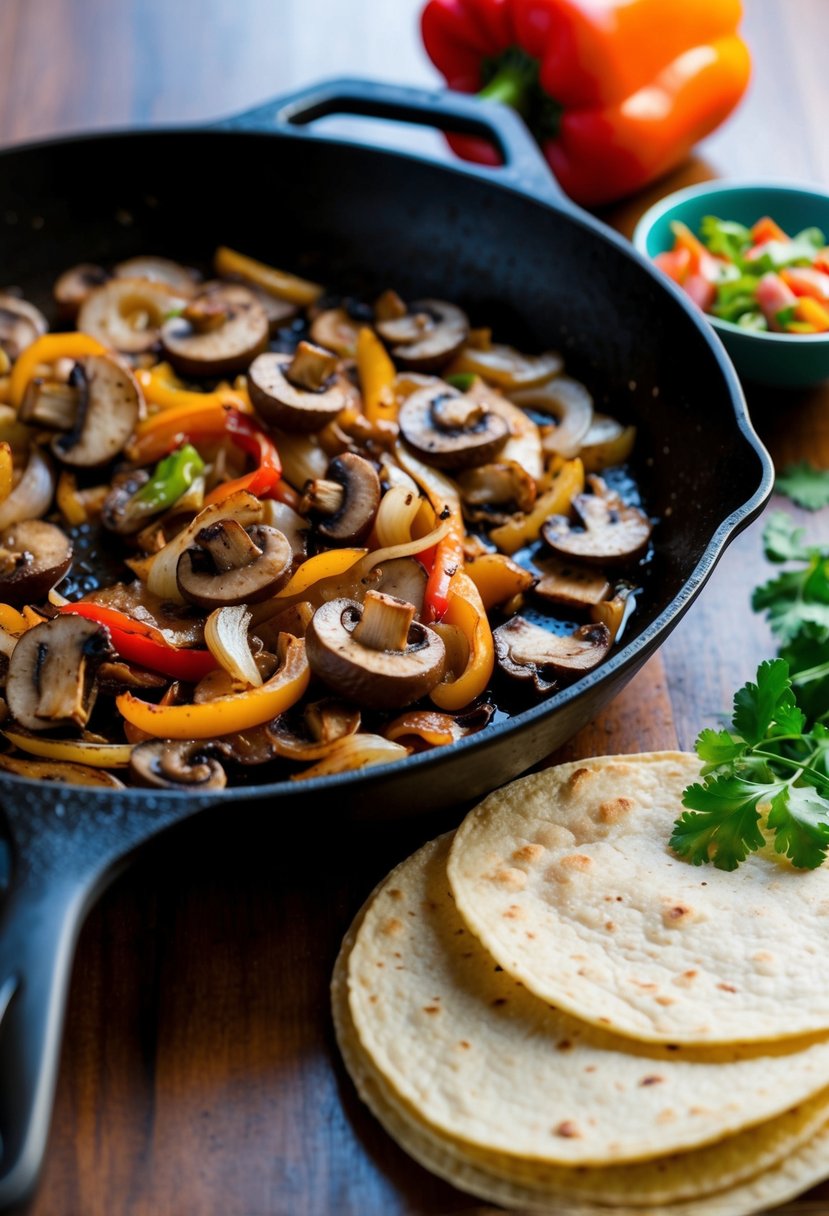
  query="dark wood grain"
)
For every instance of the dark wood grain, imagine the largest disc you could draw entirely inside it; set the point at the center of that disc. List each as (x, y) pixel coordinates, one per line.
(199, 1075)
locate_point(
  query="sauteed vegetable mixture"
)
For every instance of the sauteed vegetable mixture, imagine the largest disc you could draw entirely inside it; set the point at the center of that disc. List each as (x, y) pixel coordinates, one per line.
(251, 532)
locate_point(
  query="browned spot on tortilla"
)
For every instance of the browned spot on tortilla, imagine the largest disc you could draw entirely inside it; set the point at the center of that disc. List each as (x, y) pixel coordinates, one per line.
(676, 915)
(645, 985)
(530, 935)
(666, 1116)
(381, 965)
(762, 956)
(499, 1000)
(373, 999)
(513, 912)
(579, 778)
(431, 1009)
(395, 893)
(605, 1021)
(576, 861)
(726, 988)
(509, 877)
(568, 1130)
(609, 925)
(665, 1000)
(563, 1045)
(590, 1068)
(698, 1110)
(615, 809)
(654, 1080)
(392, 926)
(463, 1043)
(528, 852)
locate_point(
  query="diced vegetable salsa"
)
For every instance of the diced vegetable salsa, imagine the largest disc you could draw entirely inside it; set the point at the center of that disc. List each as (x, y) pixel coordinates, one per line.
(759, 278)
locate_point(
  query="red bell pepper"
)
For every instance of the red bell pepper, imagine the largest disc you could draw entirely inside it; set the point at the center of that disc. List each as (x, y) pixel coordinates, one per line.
(140, 643)
(265, 480)
(617, 92)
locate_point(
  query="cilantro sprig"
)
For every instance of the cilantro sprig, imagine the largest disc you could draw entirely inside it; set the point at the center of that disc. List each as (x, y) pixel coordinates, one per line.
(805, 485)
(764, 780)
(797, 598)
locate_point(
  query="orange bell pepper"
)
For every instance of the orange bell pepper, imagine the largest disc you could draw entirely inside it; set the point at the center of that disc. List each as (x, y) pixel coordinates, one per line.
(163, 389)
(377, 375)
(616, 93)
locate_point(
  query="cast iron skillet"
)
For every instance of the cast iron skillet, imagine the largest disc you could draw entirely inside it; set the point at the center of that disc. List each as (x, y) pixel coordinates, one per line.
(522, 258)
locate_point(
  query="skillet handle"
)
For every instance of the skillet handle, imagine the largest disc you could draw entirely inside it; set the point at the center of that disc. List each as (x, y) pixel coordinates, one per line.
(524, 167)
(41, 922)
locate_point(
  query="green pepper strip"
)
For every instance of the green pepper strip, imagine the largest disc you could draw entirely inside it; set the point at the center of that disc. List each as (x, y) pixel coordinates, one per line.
(172, 478)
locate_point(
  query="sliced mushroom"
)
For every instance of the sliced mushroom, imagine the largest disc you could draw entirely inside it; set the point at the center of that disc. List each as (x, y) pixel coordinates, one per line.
(51, 680)
(323, 724)
(426, 337)
(422, 728)
(170, 764)
(571, 586)
(527, 652)
(73, 287)
(62, 772)
(345, 502)
(336, 330)
(499, 484)
(288, 404)
(233, 565)
(451, 430)
(109, 404)
(507, 367)
(34, 557)
(21, 324)
(280, 313)
(612, 532)
(183, 280)
(294, 620)
(569, 402)
(374, 655)
(116, 515)
(127, 314)
(118, 676)
(220, 332)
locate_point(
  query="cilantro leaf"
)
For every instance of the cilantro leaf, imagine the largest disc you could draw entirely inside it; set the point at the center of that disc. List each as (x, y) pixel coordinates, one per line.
(808, 657)
(796, 598)
(718, 747)
(799, 817)
(722, 824)
(767, 707)
(805, 485)
(783, 541)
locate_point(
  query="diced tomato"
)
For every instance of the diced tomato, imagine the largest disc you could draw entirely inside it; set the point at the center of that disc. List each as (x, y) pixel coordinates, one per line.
(767, 229)
(675, 263)
(773, 296)
(821, 260)
(701, 290)
(702, 262)
(805, 281)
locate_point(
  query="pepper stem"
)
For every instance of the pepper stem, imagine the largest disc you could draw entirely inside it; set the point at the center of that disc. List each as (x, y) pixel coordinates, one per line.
(511, 84)
(512, 78)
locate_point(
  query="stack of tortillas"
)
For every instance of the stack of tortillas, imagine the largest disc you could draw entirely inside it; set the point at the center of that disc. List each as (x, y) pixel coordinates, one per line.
(555, 1013)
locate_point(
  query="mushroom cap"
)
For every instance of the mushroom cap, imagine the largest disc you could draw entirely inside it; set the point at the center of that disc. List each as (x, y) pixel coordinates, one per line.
(34, 557)
(183, 280)
(613, 532)
(174, 764)
(279, 312)
(361, 483)
(284, 404)
(448, 446)
(20, 324)
(73, 287)
(51, 677)
(430, 334)
(108, 412)
(229, 346)
(127, 314)
(376, 679)
(336, 330)
(200, 583)
(528, 652)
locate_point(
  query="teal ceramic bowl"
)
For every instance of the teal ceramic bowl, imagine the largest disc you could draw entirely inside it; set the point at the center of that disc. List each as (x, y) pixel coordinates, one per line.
(784, 360)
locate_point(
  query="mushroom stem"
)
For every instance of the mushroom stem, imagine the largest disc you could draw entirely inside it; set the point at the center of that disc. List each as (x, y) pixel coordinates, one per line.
(324, 496)
(456, 413)
(228, 544)
(206, 312)
(50, 404)
(311, 367)
(385, 622)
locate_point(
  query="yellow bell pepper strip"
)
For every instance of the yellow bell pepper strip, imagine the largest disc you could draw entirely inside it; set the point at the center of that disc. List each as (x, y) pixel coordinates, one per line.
(467, 614)
(278, 283)
(6, 470)
(162, 388)
(377, 376)
(96, 755)
(226, 715)
(332, 562)
(48, 349)
(616, 92)
(5, 363)
(524, 529)
(11, 620)
(140, 643)
(5, 390)
(498, 578)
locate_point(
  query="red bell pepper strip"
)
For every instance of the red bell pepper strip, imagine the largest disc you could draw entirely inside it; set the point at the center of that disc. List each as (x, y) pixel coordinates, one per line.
(265, 480)
(448, 560)
(140, 643)
(616, 93)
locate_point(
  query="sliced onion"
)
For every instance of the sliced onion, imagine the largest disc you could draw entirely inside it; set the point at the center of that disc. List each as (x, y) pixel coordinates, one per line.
(507, 367)
(226, 635)
(161, 576)
(59, 771)
(569, 402)
(353, 752)
(32, 496)
(524, 443)
(607, 443)
(97, 755)
(287, 521)
(302, 458)
(397, 511)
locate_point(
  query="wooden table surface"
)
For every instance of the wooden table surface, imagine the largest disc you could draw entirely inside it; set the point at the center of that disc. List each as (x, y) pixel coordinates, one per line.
(199, 1074)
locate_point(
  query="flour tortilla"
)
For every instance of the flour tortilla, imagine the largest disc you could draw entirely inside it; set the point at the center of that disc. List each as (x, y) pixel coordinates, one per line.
(483, 1061)
(567, 878)
(743, 1174)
